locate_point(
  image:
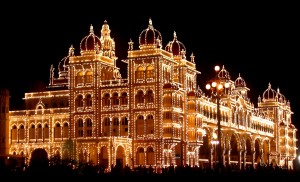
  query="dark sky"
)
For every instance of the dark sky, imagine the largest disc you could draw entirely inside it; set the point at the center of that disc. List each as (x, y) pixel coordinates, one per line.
(258, 41)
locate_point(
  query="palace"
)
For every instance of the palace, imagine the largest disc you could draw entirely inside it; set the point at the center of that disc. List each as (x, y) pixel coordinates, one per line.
(156, 116)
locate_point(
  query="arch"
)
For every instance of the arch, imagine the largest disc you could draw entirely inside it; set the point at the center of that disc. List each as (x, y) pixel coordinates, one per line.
(139, 97)
(120, 157)
(14, 133)
(46, 131)
(149, 124)
(88, 127)
(88, 100)
(79, 127)
(115, 127)
(149, 97)
(140, 125)
(106, 126)
(103, 157)
(57, 131)
(124, 98)
(124, 126)
(65, 130)
(89, 77)
(22, 132)
(79, 78)
(149, 72)
(150, 157)
(106, 100)
(140, 156)
(139, 74)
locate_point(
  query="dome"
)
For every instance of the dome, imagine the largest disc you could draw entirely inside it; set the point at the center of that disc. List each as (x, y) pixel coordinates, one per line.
(281, 97)
(176, 47)
(150, 36)
(240, 82)
(90, 43)
(223, 74)
(63, 64)
(269, 94)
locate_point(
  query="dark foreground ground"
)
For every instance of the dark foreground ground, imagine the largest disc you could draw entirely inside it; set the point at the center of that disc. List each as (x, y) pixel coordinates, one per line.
(146, 174)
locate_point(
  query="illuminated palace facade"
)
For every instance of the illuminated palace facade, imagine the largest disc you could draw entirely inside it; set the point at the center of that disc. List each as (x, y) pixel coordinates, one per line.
(156, 116)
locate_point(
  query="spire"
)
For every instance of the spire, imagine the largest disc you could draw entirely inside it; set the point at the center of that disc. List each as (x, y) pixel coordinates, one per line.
(91, 29)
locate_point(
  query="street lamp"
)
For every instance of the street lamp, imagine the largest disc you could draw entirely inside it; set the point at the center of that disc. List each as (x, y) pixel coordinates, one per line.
(217, 86)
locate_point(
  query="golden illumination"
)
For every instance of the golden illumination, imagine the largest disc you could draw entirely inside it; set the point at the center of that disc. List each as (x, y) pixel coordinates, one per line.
(158, 115)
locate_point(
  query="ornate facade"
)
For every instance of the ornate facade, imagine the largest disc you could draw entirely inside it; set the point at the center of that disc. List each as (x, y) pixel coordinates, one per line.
(156, 116)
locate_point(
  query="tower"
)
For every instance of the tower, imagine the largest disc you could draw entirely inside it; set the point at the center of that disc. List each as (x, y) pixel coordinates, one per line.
(4, 122)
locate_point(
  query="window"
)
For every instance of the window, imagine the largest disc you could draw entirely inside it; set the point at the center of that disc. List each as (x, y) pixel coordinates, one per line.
(89, 77)
(88, 100)
(79, 101)
(140, 73)
(150, 72)
(115, 99)
(79, 78)
(105, 100)
(80, 128)
(124, 99)
(149, 96)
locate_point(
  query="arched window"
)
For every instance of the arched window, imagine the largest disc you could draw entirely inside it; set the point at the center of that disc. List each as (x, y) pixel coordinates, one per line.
(32, 132)
(88, 100)
(140, 73)
(140, 125)
(79, 101)
(46, 131)
(124, 126)
(66, 130)
(150, 72)
(89, 127)
(150, 156)
(139, 97)
(89, 77)
(105, 100)
(80, 128)
(106, 126)
(79, 78)
(39, 132)
(115, 99)
(149, 97)
(115, 128)
(14, 133)
(149, 125)
(57, 131)
(124, 99)
(22, 132)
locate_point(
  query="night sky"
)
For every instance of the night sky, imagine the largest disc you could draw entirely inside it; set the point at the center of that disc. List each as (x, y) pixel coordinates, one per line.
(258, 41)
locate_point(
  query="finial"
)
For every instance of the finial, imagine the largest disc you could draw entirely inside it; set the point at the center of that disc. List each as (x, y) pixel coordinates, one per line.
(91, 29)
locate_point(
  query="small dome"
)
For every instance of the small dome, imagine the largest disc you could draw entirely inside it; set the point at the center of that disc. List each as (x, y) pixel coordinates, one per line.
(176, 47)
(90, 43)
(223, 74)
(240, 82)
(281, 97)
(64, 62)
(269, 94)
(150, 36)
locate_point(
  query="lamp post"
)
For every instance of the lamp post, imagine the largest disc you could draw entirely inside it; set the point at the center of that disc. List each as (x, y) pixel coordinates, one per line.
(217, 88)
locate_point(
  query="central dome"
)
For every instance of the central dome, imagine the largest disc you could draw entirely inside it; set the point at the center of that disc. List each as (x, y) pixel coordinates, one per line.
(150, 36)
